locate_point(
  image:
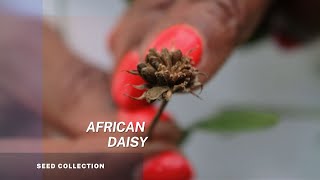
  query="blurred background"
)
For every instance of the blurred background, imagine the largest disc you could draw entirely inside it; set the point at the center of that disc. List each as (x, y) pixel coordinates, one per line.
(260, 78)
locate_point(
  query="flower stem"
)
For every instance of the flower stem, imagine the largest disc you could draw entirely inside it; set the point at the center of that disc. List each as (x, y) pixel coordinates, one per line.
(157, 117)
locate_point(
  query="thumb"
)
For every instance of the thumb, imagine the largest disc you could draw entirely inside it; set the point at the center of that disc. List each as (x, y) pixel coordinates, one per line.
(206, 30)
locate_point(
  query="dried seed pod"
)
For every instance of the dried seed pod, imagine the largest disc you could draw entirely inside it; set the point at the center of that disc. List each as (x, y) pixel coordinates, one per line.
(176, 56)
(140, 67)
(166, 73)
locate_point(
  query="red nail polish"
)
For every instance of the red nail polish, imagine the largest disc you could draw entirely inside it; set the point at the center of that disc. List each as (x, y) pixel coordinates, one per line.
(168, 165)
(183, 37)
(122, 81)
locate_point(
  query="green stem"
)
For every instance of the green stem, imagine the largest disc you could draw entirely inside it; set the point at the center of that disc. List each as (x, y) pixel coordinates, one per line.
(157, 117)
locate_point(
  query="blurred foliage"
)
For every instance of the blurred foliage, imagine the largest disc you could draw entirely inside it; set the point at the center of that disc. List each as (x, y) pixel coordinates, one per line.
(233, 121)
(238, 121)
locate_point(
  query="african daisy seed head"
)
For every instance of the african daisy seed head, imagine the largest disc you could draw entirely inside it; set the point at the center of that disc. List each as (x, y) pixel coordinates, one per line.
(165, 73)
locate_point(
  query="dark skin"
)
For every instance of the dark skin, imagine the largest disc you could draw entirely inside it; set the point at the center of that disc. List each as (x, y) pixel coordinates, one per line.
(223, 24)
(72, 93)
(75, 93)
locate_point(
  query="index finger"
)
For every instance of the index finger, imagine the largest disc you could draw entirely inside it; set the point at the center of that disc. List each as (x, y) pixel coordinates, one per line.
(209, 29)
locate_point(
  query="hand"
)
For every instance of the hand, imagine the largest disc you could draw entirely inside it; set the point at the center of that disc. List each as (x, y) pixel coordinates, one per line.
(221, 25)
(38, 71)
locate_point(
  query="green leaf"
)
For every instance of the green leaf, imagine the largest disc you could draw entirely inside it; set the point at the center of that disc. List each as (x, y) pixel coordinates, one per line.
(238, 121)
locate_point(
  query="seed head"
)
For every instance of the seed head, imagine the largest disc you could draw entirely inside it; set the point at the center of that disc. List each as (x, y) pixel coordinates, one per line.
(166, 73)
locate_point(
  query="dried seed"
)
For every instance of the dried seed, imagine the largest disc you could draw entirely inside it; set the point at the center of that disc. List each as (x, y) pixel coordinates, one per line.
(176, 56)
(141, 87)
(134, 72)
(155, 62)
(140, 66)
(148, 75)
(166, 57)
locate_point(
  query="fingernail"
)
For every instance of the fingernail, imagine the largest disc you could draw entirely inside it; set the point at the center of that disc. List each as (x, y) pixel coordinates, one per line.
(167, 165)
(183, 37)
(122, 81)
